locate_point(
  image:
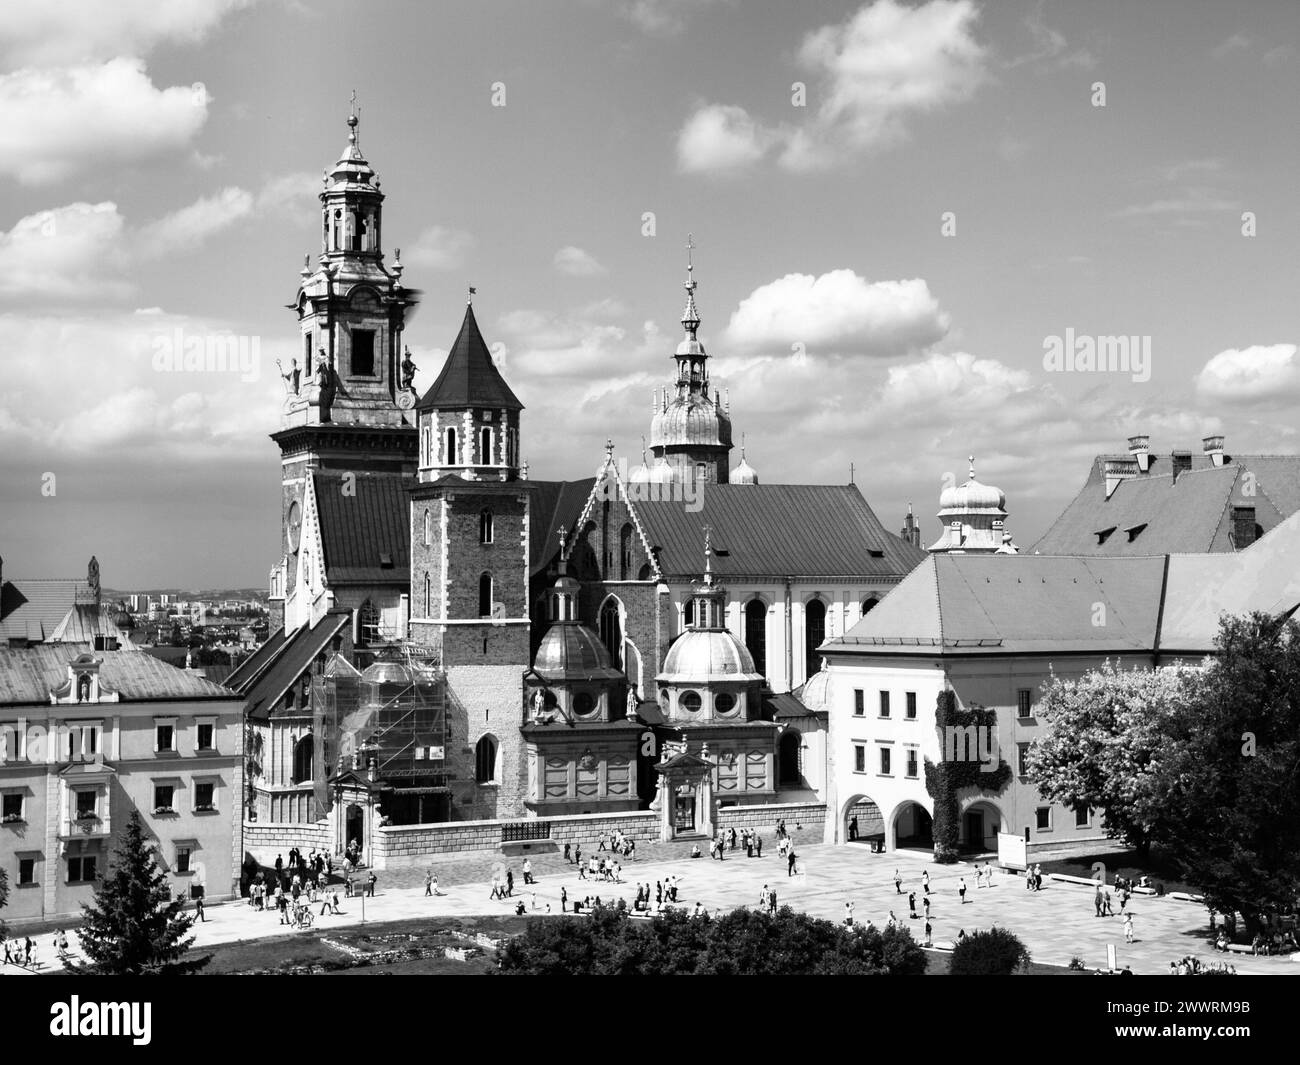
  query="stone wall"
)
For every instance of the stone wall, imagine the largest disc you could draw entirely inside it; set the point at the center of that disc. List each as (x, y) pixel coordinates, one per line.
(265, 839)
(764, 818)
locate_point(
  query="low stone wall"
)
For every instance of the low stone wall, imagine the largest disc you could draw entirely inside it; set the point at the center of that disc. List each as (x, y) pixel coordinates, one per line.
(265, 839)
(811, 815)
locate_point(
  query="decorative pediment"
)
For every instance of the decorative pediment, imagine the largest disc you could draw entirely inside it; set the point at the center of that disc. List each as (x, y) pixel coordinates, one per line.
(83, 684)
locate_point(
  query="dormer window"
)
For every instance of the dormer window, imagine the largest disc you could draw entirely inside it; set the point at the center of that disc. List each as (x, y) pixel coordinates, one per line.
(1104, 534)
(1135, 531)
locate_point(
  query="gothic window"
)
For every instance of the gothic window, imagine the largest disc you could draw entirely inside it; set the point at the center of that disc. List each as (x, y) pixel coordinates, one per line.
(363, 353)
(485, 526)
(303, 752)
(643, 574)
(451, 447)
(485, 595)
(368, 622)
(756, 633)
(428, 528)
(485, 446)
(814, 633)
(625, 552)
(611, 631)
(485, 760)
(428, 594)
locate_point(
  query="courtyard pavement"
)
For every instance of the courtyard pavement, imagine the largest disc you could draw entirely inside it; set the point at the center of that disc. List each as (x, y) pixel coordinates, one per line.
(1056, 923)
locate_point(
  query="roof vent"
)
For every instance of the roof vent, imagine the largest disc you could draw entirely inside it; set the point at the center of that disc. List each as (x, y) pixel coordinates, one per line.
(1213, 446)
(1104, 534)
(1139, 447)
(385, 560)
(1180, 463)
(1135, 531)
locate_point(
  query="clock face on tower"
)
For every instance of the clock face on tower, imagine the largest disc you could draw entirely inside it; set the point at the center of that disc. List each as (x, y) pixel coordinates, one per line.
(293, 525)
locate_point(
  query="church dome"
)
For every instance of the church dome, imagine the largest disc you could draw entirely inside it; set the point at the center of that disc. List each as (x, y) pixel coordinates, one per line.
(744, 474)
(660, 473)
(639, 474)
(701, 654)
(690, 420)
(386, 672)
(816, 691)
(572, 650)
(971, 497)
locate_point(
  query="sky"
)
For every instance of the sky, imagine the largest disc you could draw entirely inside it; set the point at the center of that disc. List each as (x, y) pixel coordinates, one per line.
(898, 210)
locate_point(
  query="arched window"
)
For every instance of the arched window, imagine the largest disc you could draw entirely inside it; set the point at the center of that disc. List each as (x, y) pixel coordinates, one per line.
(869, 604)
(814, 633)
(689, 614)
(485, 595)
(485, 446)
(368, 622)
(428, 528)
(451, 448)
(791, 770)
(643, 574)
(625, 552)
(303, 752)
(485, 526)
(485, 760)
(611, 631)
(428, 594)
(756, 633)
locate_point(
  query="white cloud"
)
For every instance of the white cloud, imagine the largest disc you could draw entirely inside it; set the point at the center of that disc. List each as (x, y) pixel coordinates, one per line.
(1051, 50)
(73, 31)
(838, 312)
(1237, 42)
(661, 17)
(186, 229)
(76, 252)
(719, 138)
(291, 194)
(1260, 374)
(575, 262)
(439, 248)
(61, 122)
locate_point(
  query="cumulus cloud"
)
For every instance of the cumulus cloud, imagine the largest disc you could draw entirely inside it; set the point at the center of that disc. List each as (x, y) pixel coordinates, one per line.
(187, 228)
(1260, 374)
(719, 138)
(73, 31)
(839, 312)
(61, 122)
(575, 262)
(439, 248)
(661, 17)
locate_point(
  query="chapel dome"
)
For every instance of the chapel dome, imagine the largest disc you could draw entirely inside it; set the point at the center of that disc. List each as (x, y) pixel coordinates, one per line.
(571, 650)
(706, 653)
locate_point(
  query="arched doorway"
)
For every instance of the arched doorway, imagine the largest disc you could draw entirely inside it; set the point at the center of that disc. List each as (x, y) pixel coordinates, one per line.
(981, 822)
(913, 826)
(791, 759)
(354, 826)
(861, 821)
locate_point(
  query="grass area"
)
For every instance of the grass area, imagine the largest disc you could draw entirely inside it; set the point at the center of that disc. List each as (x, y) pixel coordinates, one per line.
(409, 947)
(1122, 863)
(939, 962)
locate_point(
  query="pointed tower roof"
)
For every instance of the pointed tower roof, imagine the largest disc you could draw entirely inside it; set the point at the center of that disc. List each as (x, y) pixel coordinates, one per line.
(469, 377)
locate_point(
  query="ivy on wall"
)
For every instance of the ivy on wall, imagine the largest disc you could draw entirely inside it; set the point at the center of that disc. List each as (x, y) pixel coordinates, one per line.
(960, 768)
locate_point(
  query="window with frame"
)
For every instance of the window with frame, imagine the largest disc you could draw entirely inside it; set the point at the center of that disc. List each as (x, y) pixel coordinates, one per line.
(485, 446)
(13, 807)
(205, 796)
(884, 704)
(363, 353)
(182, 858)
(87, 805)
(485, 530)
(164, 736)
(1043, 818)
(204, 736)
(859, 758)
(1024, 703)
(1022, 759)
(163, 797)
(1082, 817)
(859, 702)
(910, 710)
(26, 872)
(485, 595)
(886, 757)
(485, 760)
(368, 622)
(912, 765)
(81, 869)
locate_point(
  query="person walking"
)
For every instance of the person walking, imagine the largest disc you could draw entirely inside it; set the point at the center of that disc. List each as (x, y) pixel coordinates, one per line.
(577, 854)
(911, 902)
(961, 889)
(528, 872)
(898, 883)
(564, 900)
(853, 828)
(1096, 900)
(925, 881)
(604, 840)
(428, 883)
(568, 853)
(510, 883)
(1128, 928)
(198, 910)
(1109, 910)
(790, 863)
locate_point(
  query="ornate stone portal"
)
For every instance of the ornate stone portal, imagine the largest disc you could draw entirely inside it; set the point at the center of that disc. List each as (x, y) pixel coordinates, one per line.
(685, 799)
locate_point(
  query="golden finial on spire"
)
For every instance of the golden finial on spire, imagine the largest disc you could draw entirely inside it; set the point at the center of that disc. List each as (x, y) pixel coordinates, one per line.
(971, 460)
(354, 118)
(708, 554)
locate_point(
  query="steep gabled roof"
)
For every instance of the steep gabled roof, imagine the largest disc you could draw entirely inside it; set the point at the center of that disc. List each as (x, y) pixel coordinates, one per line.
(796, 530)
(556, 506)
(290, 661)
(363, 527)
(28, 674)
(32, 609)
(469, 377)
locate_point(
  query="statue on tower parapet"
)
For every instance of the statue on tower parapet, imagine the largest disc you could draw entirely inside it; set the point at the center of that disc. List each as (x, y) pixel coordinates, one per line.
(408, 371)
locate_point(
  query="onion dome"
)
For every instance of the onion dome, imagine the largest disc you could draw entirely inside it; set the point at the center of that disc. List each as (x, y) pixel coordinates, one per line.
(744, 473)
(972, 497)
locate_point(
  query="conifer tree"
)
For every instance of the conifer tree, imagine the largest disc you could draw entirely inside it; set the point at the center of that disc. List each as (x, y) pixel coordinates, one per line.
(134, 926)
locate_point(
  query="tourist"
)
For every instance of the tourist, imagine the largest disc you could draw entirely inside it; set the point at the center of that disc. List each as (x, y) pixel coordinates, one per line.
(749, 845)
(926, 903)
(853, 828)
(510, 883)
(733, 839)
(929, 939)
(568, 854)
(532, 902)
(577, 854)
(911, 902)
(528, 872)
(696, 852)
(961, 889)
(898, 883)
(961, 935)
(789, 863)
(925, 881)
(282, 905)
(631, 850)
(371, 881)
(198, 910)
(771, 902)
(604, 839)
(347, 885)
(1108, 910)
(1097, 900)
(1128, 928)
(519, 908)
(1221, 943)
(892, 920)
(279, 866)
(428, 882)
(848, 914)
(1038, 878)
(564, 900)
(758, 845)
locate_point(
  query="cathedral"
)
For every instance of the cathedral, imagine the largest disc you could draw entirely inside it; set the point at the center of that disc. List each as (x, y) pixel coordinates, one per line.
(454, 639)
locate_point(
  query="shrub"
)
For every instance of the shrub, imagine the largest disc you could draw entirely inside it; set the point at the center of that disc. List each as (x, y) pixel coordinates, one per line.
(996, 952)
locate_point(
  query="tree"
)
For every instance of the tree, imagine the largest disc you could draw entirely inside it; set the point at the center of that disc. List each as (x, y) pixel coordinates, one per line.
(1102, 749)
(996, 952)
(1229, 772)
(134, 927)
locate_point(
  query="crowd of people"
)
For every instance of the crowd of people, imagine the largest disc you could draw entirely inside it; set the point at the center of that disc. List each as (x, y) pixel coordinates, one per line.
(1189, 966)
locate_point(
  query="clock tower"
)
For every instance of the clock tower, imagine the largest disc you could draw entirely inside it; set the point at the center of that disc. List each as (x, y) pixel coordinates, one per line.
(348, 415)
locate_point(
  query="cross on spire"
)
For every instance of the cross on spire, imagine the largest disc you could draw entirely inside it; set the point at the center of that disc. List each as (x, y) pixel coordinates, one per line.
(971, 460)
(354, 118)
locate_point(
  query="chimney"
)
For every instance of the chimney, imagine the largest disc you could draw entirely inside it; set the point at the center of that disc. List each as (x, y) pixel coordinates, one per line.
(1243, 527)
(1213, 446)
(1180, 462)
(1139, 447)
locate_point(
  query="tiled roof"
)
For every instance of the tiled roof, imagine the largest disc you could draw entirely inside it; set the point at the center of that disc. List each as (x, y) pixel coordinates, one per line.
(794, 530)
(32, 609)
(1188, 515)
(1016, 603)
(556, 505)
(28, 674)
(363, 525)
(784, 706)
(242, 675)
(289, 663)
(469, 377)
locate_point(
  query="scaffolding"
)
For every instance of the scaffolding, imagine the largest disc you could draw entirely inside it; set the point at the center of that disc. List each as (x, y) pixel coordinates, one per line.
(394, 715)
